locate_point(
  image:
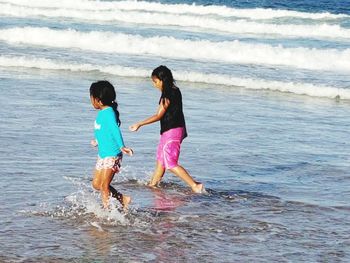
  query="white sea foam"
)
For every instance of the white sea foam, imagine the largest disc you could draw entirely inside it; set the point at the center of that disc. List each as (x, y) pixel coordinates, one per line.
(85, 202)
(258, 13)
(189, 76)
(291, 87)
(185, 21)
(236, 52)
(47, 64)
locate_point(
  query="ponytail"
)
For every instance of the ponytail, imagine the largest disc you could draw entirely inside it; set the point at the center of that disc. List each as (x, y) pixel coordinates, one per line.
(114, 106)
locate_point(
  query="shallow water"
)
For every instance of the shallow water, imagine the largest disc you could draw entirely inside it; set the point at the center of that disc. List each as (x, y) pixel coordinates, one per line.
(276, 169)
(275, 164)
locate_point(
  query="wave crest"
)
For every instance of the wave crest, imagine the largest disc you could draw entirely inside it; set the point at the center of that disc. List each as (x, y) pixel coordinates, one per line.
(188, 76)
(187, 21)
(223, 11)
(235, 52)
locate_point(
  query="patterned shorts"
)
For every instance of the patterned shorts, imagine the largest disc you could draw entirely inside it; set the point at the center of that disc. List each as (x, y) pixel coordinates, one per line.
(113, 163)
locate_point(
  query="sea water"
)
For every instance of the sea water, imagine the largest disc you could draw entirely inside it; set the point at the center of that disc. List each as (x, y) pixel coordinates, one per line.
(266, 93)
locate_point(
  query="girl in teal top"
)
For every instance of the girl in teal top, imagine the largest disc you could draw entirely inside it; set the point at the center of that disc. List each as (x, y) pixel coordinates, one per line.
(107, 134)
(109, 140)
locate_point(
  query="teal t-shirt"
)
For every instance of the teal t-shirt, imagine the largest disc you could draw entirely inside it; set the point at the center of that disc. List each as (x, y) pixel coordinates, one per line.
(107, 134)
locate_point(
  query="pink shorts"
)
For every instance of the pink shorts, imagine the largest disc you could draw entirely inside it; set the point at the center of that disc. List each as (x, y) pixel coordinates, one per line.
(168, 151)
(113, 163)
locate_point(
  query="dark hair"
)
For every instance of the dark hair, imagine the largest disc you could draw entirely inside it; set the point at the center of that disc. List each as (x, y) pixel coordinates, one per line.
(104, 91)
(164, 74)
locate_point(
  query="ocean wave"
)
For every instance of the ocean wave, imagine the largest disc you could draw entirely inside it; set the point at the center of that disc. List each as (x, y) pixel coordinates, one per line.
(185, 21)
(235, 52)
(188, 76)
(256, 13)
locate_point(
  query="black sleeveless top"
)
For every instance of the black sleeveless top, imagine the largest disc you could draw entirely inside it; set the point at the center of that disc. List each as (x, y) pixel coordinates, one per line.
(173, 117)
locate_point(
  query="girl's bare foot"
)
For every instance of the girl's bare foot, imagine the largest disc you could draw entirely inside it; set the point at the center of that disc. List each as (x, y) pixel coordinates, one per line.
(198, 188)
(126, 201)
(152, 185)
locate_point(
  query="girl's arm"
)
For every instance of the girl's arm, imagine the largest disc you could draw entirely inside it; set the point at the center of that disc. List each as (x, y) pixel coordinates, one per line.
(127, 150)
(120, 142)
(156, 117)
(116, 133)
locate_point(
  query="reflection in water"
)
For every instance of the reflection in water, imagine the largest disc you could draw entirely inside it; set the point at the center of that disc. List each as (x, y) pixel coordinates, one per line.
(166, 202)
(101, 239)
(164, 233)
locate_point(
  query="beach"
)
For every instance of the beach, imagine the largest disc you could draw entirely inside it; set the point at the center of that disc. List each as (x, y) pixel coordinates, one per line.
(266, 96)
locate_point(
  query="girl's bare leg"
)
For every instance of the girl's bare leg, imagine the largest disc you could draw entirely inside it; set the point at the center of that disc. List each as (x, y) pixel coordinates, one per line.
(116, 194)
(157, 174)
(101, 182)
(96, 181)
(106, 178)
(185, 176)
(123, 199)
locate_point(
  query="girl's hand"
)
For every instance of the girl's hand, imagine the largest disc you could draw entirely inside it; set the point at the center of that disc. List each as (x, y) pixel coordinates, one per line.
(93, 143)
(127, 150)
(134, 127)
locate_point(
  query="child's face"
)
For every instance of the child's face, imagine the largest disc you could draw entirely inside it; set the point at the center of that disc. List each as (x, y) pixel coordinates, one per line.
(157, 83)
(96, 103)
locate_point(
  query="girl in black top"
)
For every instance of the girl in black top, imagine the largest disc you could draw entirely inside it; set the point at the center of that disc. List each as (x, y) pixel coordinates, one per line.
(172, 129)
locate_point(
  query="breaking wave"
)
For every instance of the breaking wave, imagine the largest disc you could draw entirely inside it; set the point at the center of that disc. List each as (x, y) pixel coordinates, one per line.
(236, 52)
(188, 76)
